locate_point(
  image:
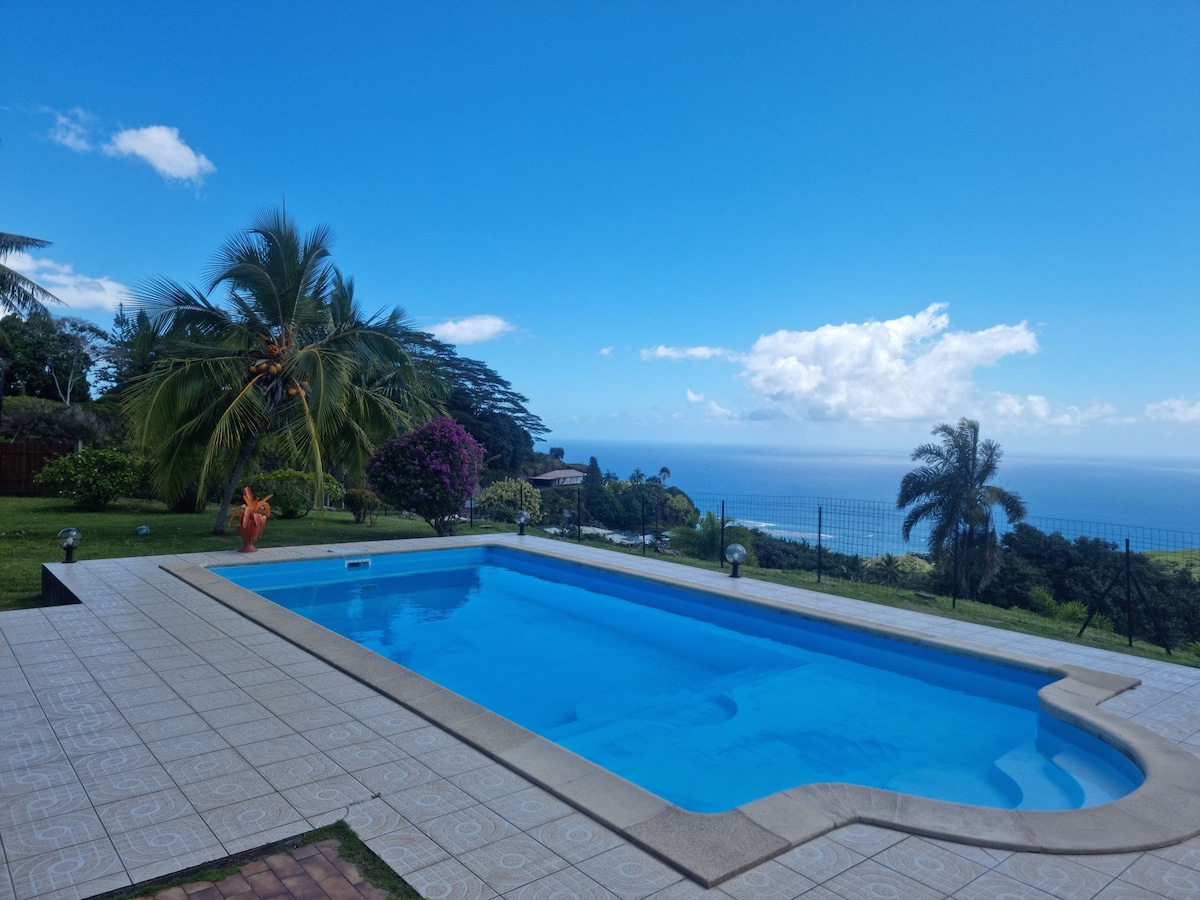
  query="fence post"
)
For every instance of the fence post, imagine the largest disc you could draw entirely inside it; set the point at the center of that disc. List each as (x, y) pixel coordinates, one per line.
(721, 542)
(820, 513)
(579, 515)
(1128, 596)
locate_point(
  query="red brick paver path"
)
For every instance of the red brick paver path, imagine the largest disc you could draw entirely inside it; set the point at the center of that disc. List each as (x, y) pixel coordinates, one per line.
(313, 872)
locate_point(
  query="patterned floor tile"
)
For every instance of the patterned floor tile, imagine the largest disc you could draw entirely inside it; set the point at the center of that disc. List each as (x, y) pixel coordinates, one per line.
(529, 808)
(1166, 878)
(290, 773)
(174, 839)
(321, 717)
(235, 715)
(173, 727)
(1185, 854)
(29, 806)
(108, 762)
(397, 775)
(876, 881)
(196, 743)
(255, 818)
(576, 837)
(628, 872)
(330, 794)
(820, 859)
(42, 876)
(109, 787)
(340, 734)
(930, 864)
(366, 755)
(1054, 875)
(144, 810)
(372, 817)
(39, 836)
(996, 886)
(428, 801)
(512, 863)
(208, 765)
(423, 740)
(768, 881)
(690, 890)
(558, 885)
(407, 850)
(467, 829)
(453, 760)
(226, 789)
(449, 880)
(489, 782)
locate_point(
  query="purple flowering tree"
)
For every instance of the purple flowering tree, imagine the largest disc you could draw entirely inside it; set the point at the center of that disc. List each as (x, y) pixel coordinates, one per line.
(431, 471)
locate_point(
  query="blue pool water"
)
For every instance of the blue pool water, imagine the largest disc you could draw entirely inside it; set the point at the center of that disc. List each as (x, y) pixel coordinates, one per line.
(708, 703)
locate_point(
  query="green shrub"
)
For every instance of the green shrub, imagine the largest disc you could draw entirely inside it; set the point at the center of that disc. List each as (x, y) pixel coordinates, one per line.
(91, 478)
(1073, 611)
(364, 505)
(1042, 603)
(293, 491)
(500, 501)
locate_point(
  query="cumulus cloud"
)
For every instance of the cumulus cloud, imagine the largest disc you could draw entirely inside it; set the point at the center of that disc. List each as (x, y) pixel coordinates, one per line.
(606, 351)
(1036, 411)
(1177, 409)
(72, 130)
(908, 369)
(675, 354)
(164, 150)
(693, 397)
(75, 290)
(471, 330)
(717, 412)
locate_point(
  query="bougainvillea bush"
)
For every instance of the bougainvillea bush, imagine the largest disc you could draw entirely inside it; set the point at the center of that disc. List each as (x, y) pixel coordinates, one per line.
(429, 471)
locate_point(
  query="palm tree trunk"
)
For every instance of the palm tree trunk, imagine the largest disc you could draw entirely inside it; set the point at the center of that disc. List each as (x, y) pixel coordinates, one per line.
(248, 445)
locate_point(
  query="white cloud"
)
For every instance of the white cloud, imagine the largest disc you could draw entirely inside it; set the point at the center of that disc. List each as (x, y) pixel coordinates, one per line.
(164, 150)
(1177, 409)
(694, 353)
(717, 412)
(71, 130)
(471, 330)
(693, 397)
(75, 290)
(908, 369)
(1035, 411)
(606, 351)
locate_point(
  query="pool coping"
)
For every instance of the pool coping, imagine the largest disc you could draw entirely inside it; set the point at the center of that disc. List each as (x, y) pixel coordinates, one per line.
(712, 847)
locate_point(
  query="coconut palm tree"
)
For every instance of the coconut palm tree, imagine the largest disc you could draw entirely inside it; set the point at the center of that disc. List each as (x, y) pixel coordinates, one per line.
(952, 490)
(19, 294)
(284, 357)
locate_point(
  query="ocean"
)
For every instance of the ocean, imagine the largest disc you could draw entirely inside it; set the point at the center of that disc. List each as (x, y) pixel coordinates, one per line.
(1157, 494)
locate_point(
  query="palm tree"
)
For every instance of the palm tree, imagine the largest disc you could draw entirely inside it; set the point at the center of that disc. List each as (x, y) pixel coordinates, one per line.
(19, 295)
(287, 359)
(951, 489)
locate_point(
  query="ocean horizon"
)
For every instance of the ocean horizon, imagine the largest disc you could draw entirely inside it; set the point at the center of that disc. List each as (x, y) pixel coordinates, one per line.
(1149, 493)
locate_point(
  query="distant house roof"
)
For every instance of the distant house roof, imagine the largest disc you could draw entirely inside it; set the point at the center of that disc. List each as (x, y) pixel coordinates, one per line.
(557, 478)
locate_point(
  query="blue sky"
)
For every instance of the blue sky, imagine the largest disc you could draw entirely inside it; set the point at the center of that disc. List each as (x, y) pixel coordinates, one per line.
(821, 225)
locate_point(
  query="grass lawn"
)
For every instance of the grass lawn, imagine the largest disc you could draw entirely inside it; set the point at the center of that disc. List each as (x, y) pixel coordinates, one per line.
(29, 526)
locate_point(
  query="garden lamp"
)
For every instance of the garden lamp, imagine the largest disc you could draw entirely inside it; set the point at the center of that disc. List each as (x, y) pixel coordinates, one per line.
(522, 520)
(69, 539)
(736, 554)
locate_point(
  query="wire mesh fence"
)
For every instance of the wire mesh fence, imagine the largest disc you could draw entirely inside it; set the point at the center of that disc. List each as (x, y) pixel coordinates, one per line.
(871, 528)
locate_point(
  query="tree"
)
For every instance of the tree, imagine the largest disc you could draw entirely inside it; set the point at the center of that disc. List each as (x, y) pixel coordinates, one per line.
(285, 353)
(19, 294)
(50, 356)
(952, 490)
(431, 471)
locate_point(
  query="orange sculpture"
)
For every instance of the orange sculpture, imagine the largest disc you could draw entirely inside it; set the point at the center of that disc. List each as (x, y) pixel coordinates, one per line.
(253, 519)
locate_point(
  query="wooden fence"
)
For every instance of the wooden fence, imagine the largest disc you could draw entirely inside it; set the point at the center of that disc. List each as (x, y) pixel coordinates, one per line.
(19, 462)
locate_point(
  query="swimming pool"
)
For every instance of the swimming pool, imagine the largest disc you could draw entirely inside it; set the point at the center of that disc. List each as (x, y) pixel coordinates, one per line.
(711, 847)
(708, 704)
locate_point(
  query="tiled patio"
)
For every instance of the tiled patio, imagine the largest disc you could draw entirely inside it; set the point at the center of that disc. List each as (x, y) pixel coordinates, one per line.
(151, 729)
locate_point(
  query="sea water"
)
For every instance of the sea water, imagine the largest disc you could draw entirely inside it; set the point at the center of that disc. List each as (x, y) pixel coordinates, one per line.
(1146, 493)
